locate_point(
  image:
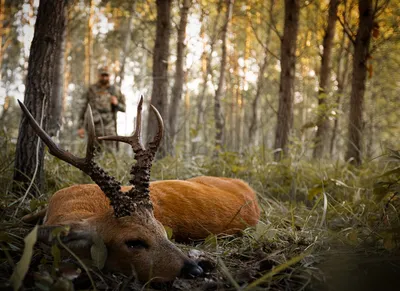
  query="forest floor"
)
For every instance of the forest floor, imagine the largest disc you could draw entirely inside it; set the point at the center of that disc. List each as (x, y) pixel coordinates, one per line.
(324, 226)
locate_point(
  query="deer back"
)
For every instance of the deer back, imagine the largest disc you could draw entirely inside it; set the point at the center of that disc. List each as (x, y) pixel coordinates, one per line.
(193, 209)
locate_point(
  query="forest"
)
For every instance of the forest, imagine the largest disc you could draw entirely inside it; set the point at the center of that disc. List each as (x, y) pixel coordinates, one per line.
(263, 150)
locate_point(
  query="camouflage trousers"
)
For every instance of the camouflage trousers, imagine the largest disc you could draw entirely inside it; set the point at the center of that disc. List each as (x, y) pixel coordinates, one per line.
(103, 129)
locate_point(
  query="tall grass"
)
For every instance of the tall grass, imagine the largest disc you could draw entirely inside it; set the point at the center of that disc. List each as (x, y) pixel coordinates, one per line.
(307, 209)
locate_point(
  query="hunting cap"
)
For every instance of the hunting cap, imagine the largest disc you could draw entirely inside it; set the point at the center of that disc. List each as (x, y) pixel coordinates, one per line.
(104, 71)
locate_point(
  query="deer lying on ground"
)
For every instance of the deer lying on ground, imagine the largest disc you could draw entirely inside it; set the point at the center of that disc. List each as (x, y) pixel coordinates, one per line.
(130, 220)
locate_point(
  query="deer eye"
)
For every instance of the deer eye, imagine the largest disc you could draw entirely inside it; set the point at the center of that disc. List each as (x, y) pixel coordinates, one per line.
(137, 244)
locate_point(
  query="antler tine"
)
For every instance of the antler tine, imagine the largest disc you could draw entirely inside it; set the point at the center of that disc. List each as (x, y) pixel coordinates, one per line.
(91, 134)
(155, 143)
(122, 204)
(133, 140)
(140, 171)
(53, 148)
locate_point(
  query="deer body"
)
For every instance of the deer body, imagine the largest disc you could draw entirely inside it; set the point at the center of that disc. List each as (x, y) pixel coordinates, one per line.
(193, 209)
(129, 220)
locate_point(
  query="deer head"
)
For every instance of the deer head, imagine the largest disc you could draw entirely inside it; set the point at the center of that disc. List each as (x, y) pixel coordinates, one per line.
(136, 242)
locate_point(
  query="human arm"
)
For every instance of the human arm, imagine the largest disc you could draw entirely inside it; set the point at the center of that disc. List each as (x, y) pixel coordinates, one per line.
(118, 100)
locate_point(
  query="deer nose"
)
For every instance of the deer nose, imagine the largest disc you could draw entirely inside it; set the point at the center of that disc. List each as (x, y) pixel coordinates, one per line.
(191, 270)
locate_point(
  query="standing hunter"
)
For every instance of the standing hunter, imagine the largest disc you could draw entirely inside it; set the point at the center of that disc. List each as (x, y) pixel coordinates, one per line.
(105, 100)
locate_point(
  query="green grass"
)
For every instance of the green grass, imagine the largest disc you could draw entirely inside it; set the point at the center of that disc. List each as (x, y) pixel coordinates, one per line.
(312, 215)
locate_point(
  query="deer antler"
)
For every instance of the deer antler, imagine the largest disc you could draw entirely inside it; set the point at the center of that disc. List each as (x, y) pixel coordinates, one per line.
(122, 204)
(140, 172)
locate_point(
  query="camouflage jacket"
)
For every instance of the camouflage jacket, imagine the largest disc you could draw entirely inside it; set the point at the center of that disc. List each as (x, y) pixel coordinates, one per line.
(99, 98)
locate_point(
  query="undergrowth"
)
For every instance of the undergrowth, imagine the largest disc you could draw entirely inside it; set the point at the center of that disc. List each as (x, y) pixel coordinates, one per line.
(319, 221)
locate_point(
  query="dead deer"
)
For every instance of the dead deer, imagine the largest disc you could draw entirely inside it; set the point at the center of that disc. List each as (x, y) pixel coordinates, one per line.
(131, 219)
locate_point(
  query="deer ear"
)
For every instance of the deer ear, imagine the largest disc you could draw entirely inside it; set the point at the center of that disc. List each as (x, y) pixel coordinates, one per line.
(74, 236)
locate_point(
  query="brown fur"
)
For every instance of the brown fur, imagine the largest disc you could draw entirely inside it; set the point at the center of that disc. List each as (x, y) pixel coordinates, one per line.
(193, 209)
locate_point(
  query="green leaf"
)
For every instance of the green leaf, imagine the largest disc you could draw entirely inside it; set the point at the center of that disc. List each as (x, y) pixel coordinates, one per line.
(98, 252)
(211, 241)
(314, 192)
(60, 230)
(169, 232)
(22, 267)
(56, 253)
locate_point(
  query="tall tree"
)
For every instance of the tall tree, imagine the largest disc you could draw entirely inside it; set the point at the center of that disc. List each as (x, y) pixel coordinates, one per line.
(56, 100)
(287, 77)
(342, 73)
(260, 78)
(49, 25)
(127, 42)
(325, 73)
(218, 115)
(177, 89)
(359, 76)
(159, 95)
(207, 70)
(88, 45)
(2, 14)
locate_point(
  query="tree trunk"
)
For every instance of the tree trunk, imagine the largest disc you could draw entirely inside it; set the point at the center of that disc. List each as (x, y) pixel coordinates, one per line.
(218, 115)
(260, 79)
(127, 43)
(286, 87)
(2, 13)
(359, 75)
(2, 34)
(159, 95)
(207, 71)
(177, 89)
(48, 28)
(56, 100)
(88, 46)
(186, 134)
(325, 73)
(67, 65)
(342, 76)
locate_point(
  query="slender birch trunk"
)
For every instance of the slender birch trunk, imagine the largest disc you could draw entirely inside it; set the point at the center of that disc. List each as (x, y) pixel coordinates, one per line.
(218, 115)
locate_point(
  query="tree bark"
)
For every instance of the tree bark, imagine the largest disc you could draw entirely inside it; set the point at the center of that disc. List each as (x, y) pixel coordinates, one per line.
(218, 115)
(260, 78)
(159, 95)
(88, 46)
(342, 76)
(48, 28)
(325, 73)
(359, 76)
(207, 71)
(177, 89)
(2, 34)
(56, 100)
(287, 77)
(127, 43)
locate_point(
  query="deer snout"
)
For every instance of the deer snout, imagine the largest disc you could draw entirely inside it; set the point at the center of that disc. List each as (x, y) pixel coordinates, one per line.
(191, 270)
